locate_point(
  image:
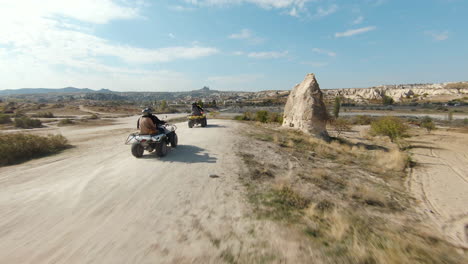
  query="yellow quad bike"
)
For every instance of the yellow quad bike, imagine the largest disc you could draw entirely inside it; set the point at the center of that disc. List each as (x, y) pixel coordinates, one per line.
(197, 120)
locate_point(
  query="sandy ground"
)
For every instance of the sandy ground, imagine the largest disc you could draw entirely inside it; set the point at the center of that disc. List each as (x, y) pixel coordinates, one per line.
(440, 181)
(96, 203)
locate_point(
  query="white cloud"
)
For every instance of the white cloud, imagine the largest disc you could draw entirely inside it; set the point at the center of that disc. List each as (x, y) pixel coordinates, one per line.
(293, 12)
(268, 55)
(244, 34)
(237, 53)
(262, 3)
(438, 35)
(40, 39)
(248, 35)
(294, 6)
(358, 20)
(353, 32)
(321, 12)
(323, 51)
(229, 80)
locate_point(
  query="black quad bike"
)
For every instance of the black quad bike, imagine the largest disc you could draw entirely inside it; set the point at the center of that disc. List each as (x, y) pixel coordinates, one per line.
(150, 143)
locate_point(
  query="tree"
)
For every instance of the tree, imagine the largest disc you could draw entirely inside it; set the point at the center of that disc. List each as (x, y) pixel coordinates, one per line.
(336, 107)
(213, 103)
(163, 105)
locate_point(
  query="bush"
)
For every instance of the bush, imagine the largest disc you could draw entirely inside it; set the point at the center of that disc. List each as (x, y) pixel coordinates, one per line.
(275, 117)
(26, 122)
(389, 126)
(5, 119)
(94, 116)
(387, 100)
(362, 120)
(15, 148)
(428, 124)
(341, 125)
(65, 122)
(261, 116)
(44, 115)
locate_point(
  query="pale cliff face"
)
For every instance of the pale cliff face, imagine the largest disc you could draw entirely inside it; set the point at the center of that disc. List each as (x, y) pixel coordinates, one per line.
(397, 92)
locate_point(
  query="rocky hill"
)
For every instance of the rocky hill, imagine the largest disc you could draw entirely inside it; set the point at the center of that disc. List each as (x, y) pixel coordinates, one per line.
(398, 93)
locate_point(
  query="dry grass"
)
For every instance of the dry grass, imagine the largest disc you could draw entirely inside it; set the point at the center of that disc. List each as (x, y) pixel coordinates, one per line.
(16, 148)
(347, 198)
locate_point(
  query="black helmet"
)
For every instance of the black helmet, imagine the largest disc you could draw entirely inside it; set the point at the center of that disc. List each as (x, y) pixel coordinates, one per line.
(147, 111)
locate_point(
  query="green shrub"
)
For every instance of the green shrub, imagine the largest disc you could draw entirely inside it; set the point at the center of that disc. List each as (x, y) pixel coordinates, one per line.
(261, 116)
(44, 115)
(94, 116)
(390, 126)
(65, 122)
(15, 148)
(26, 122)
(5, 119)
(428, 124)
(387, 100)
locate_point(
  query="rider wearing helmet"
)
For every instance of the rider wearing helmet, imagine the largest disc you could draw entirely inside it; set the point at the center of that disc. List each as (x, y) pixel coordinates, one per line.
(197, 110)
(149, 123)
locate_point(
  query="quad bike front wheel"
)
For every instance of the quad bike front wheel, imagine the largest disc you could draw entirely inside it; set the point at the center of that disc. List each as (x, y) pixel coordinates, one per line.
(190, 123)
(203, 122)
(137, 150)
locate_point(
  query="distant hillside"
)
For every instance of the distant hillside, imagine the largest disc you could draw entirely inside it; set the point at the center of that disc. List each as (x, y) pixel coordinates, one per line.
(50, 90)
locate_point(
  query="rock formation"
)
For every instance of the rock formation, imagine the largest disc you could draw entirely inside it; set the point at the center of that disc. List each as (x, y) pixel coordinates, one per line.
(448, 91)
(305, 109)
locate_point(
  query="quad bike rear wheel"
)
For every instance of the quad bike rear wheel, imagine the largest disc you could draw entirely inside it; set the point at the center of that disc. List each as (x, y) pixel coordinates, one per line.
(137, 150)
(174, 140)
(203, 122)
(161, 149)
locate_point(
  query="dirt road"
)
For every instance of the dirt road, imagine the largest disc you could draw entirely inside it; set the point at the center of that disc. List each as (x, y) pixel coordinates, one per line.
(96, 203)
(440, 181)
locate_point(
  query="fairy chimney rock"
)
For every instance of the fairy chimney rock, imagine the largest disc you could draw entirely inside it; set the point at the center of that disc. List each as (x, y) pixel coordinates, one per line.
(305, 109)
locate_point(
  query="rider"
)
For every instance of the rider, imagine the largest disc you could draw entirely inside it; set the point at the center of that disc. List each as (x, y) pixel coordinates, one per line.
(148, 123)
(197, 110)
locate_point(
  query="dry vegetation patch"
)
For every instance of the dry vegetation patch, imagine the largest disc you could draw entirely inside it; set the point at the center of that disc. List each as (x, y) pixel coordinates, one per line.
(346, 199)
(16, 148)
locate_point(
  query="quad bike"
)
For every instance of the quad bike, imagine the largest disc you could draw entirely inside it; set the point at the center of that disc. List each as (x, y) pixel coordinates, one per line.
(197, 120)
(150, 143)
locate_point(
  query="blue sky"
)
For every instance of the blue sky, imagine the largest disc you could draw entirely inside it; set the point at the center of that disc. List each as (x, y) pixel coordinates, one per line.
(176, 45)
